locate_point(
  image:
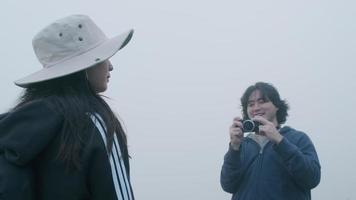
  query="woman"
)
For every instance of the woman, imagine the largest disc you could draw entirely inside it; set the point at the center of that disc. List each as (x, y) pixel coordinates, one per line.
(62, 140)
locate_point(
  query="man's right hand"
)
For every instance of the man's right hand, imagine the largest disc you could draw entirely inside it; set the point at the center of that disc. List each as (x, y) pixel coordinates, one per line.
(236, 133)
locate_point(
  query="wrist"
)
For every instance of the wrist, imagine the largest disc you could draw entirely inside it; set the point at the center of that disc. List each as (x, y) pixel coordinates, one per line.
(278, 139)
(235, 147)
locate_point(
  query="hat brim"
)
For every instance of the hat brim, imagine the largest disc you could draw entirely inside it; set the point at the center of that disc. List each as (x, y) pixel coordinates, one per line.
(88, 59)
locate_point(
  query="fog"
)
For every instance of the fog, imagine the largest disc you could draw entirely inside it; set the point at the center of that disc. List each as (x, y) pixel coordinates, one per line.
(177, 85)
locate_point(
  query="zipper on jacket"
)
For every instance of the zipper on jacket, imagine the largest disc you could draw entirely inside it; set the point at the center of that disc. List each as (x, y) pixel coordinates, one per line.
(259, 164)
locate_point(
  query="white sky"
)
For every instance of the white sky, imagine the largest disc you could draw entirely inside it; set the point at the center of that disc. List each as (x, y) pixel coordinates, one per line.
(177, 85)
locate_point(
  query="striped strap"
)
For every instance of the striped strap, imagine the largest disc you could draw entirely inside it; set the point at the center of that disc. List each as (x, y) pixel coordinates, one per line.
(121, 182)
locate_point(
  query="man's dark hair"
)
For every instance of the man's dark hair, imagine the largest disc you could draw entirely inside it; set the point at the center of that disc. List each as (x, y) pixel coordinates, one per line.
(268, 93)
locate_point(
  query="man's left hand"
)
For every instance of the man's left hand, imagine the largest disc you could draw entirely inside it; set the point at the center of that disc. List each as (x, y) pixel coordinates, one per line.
(268, 129)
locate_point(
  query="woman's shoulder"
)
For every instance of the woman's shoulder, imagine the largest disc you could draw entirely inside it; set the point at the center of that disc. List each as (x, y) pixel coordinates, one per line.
(42, 105)
(25, 130)
(3, 115)
(39, 111)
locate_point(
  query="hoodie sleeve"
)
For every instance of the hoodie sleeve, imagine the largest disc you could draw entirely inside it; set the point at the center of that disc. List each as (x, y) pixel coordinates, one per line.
(26, 131)
(232, 170)
(16, 182)
(301, 160)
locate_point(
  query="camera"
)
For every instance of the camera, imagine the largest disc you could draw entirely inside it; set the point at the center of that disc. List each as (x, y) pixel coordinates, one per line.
(250, 126)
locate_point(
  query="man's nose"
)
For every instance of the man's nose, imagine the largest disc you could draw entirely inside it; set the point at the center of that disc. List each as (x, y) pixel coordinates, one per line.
(256, 106)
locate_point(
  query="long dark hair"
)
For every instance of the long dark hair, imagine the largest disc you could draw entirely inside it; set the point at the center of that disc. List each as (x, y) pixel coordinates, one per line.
(73, 97)
(268, 93)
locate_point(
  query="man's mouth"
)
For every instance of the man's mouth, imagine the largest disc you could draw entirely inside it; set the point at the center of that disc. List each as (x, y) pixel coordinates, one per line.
(258, 114)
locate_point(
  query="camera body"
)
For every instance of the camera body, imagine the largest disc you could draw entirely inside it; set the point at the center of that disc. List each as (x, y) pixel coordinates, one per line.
(249, 125)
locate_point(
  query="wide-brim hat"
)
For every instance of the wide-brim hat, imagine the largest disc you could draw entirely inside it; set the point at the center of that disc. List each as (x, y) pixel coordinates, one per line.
(69, 45)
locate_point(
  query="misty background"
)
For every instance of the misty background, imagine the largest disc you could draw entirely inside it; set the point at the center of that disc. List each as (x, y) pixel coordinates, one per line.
(177, 85)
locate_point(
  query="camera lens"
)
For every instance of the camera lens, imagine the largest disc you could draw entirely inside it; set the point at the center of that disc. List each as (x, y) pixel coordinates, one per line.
(250, 126)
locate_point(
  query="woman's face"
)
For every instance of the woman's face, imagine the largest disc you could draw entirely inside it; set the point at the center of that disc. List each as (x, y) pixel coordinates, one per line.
(98, 76)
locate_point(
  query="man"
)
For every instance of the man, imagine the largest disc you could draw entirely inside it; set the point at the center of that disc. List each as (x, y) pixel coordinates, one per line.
(274, 162)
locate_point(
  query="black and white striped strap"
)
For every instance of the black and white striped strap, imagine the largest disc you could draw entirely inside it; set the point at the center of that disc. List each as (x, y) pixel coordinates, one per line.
(119, 174)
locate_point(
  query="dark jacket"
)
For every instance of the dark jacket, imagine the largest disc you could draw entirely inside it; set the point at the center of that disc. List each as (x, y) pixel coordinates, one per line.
(30, 168)
(288, 170)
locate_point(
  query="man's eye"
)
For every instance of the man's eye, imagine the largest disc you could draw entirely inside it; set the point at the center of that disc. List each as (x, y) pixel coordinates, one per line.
(261, 101)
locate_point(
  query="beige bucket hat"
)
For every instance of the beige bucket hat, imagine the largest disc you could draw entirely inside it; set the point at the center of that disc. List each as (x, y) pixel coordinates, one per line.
(69, 45)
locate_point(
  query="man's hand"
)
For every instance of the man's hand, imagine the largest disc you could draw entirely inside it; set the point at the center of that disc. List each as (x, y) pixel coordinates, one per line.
(268, 129)
(236, 134)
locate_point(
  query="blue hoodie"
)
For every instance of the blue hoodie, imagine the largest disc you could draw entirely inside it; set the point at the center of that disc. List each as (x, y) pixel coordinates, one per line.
(288, 170)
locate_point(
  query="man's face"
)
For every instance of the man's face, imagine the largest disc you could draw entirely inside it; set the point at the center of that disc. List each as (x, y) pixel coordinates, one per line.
(257, 106)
